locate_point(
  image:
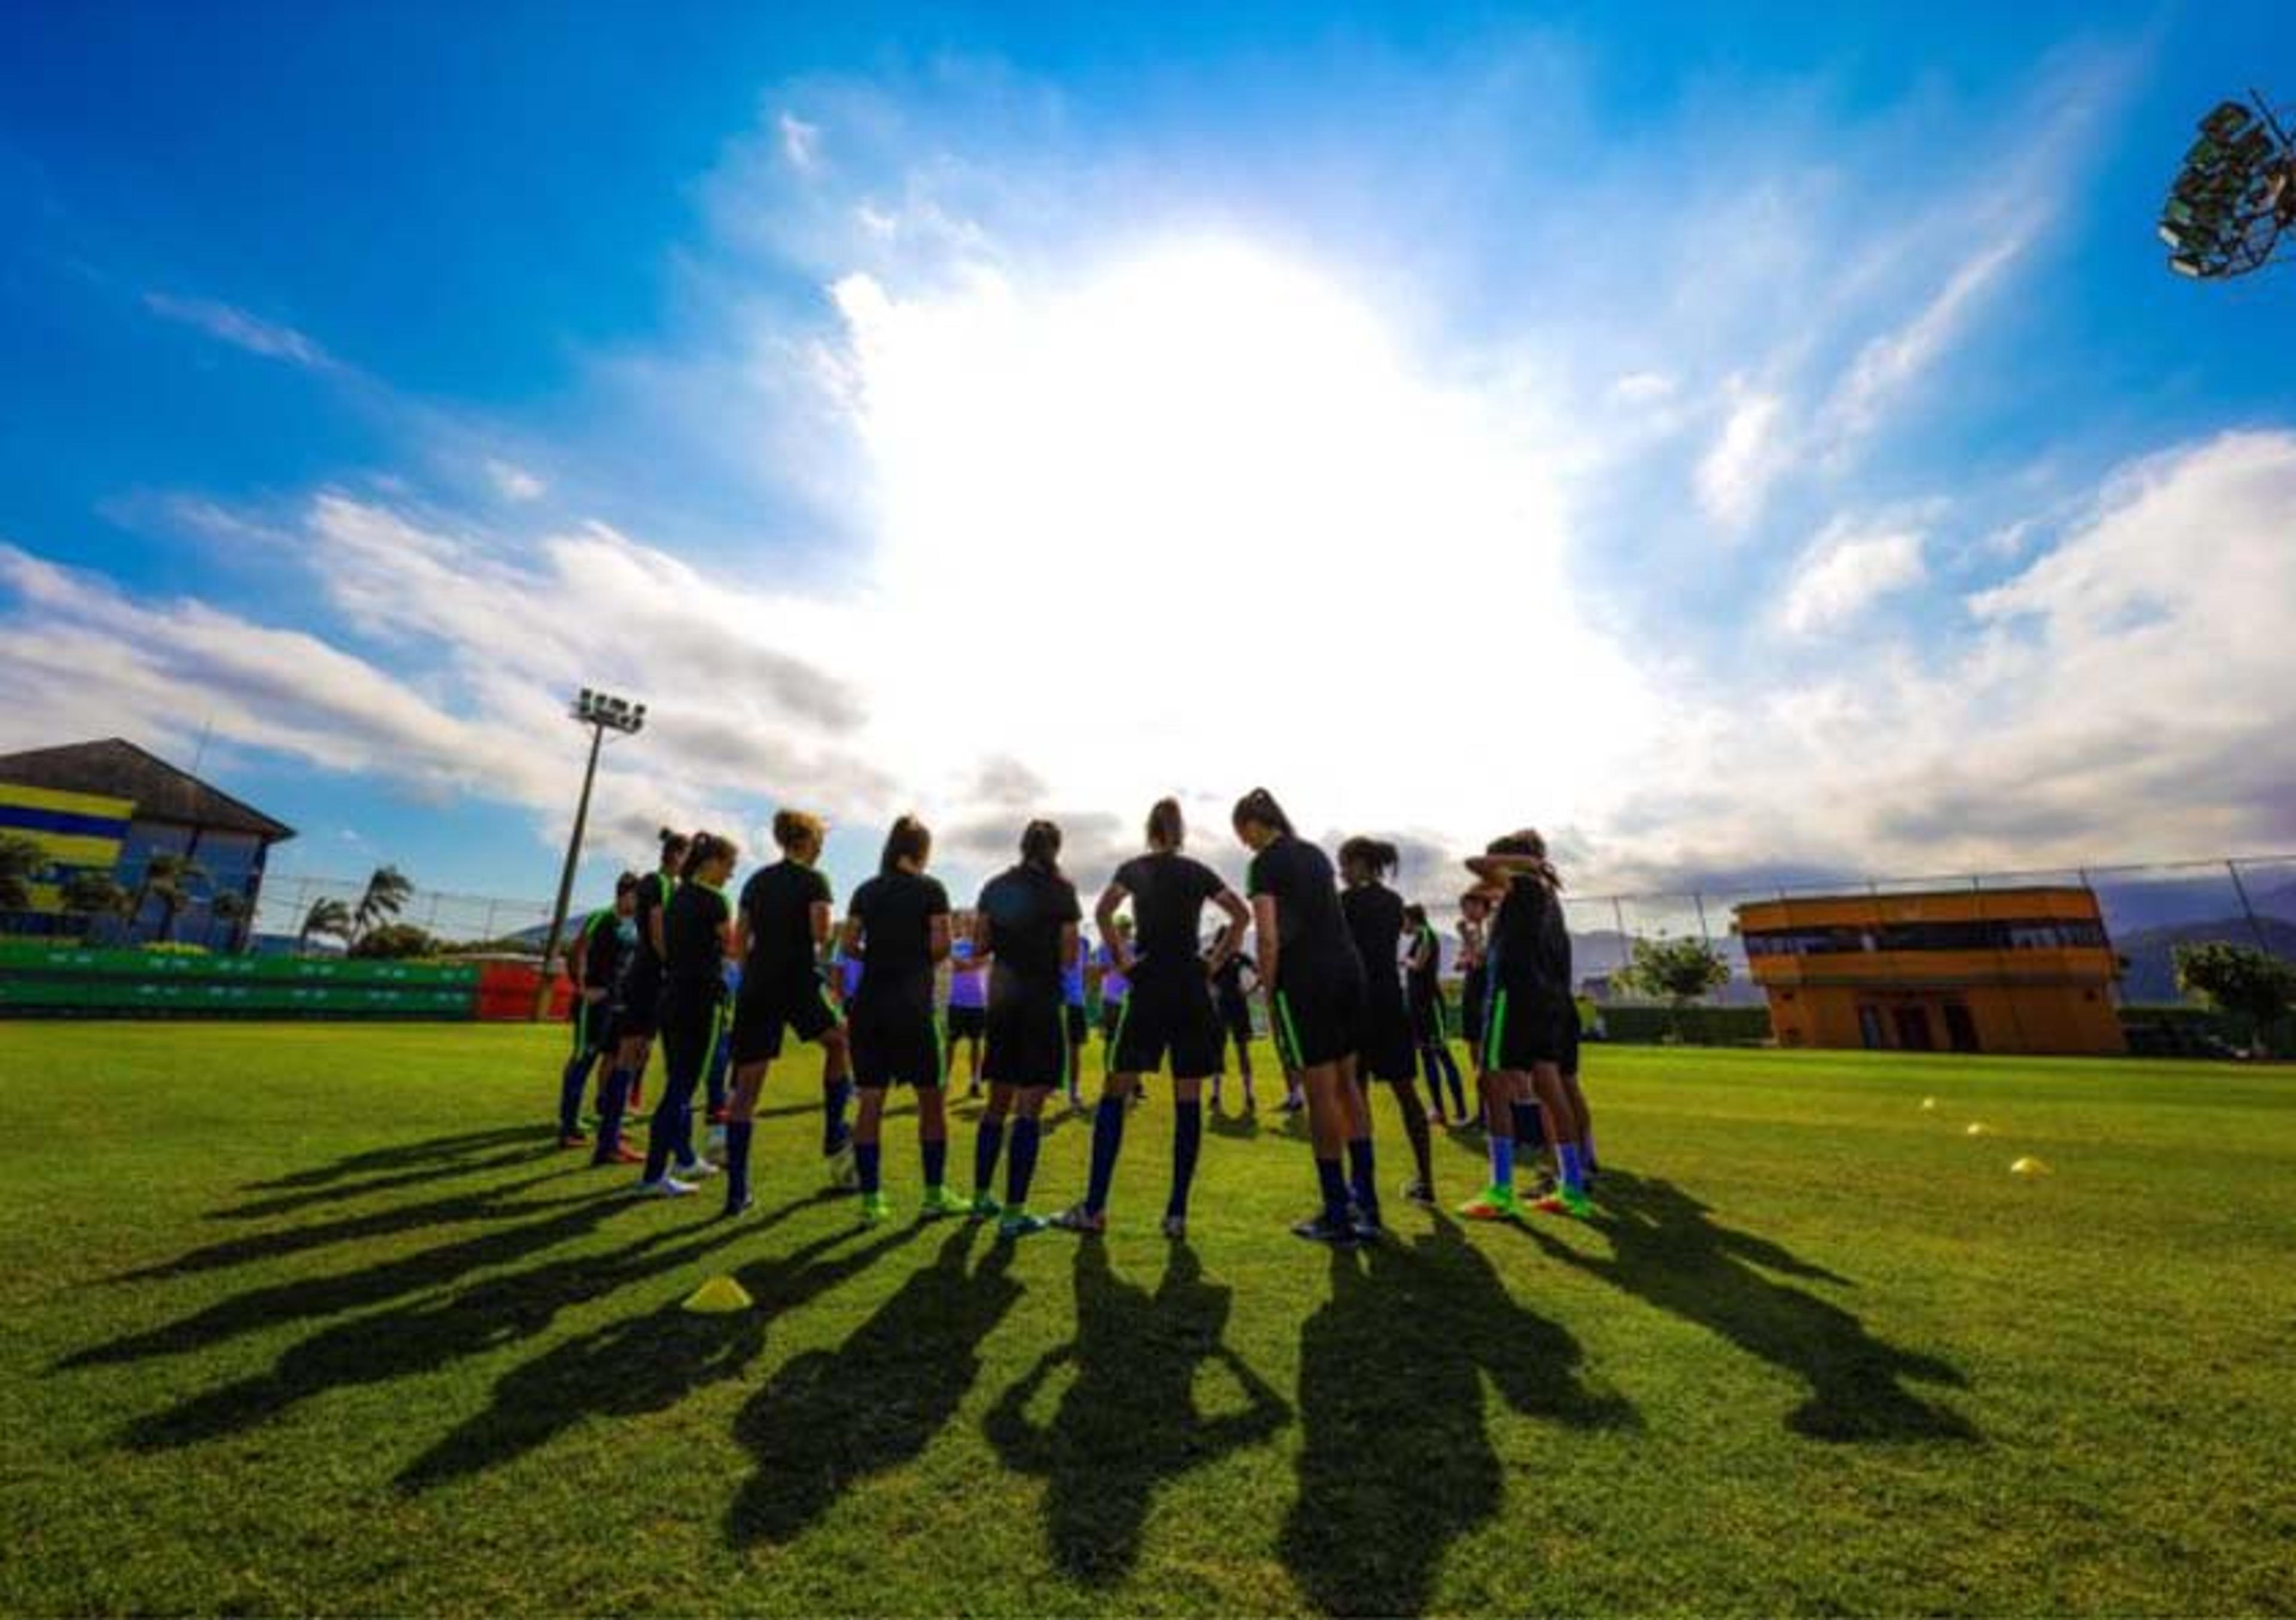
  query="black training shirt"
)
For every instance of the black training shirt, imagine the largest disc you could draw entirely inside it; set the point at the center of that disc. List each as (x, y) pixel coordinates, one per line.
(1026, 910)
(602, 949)
(1529, 949)
(1427, 979)
(1375, 914)
(895, 910)
(654, 890)
(692, 935)
(1311, 933)
(1168, 890)
(777, 901)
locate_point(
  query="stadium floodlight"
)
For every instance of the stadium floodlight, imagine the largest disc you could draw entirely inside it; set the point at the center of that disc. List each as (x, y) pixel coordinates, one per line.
(2233, 202)
(602, 712)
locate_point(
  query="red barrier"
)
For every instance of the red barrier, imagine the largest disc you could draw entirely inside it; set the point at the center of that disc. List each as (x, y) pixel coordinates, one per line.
(506, 990)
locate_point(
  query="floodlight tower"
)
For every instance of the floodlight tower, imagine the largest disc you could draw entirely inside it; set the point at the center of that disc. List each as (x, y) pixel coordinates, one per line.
(2234, 201)
(602, 712)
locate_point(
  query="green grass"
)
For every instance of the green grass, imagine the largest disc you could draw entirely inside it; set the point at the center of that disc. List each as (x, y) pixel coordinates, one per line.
(313, 1319)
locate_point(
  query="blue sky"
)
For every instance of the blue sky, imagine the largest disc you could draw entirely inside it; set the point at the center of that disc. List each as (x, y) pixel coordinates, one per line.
(1739, 440)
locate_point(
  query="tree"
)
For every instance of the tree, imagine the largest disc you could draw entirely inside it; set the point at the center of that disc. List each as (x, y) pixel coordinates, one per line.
(90, 894)
(386, 892)
(1680, 970)
(19, 858)
(328, 916)
(393, 940)
(173, 880)
(230, 908)
(2239, 979)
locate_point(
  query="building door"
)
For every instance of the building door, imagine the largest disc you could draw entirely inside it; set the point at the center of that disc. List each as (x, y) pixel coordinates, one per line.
(1913, 1028)
(1869, 1027)
(1960, 1028)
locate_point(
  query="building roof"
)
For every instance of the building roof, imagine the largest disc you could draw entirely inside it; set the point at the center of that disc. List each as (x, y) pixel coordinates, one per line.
(119, 769)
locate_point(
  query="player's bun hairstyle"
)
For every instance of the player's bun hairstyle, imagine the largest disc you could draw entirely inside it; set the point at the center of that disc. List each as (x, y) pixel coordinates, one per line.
(1166, 830)
(909, 840)
(1375, 855)
(1040, 846)
(1527, 845)
(702, 849)
(794, 828)
(1259, 807)
(673, 845)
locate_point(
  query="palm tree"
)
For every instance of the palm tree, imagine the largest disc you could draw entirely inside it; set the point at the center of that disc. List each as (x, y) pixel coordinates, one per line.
(327, 915)
(230, 908)
(173, 880)
(19, 858)
(386, 892)
(91, 894)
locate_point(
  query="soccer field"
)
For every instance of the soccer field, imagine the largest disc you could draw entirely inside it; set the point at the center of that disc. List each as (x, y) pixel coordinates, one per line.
(306, 1318)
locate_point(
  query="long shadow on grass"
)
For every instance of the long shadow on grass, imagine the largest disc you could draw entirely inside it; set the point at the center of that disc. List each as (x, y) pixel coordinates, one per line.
(267, 1307)
(427, 1334)
(1129, 1421)
(1396, 1460)
(288, 1203)
(831, 1417)
(643, 1364)
(428, 1151)
(1668, 1250)
(481, 1204)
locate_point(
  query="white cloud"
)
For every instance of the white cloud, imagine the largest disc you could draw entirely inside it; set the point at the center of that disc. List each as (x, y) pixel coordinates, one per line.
(1734, 478)
(1643, 388)
(1845, 571)
(514, 482)
(801, 142)
(235, 326)
(1892, 362)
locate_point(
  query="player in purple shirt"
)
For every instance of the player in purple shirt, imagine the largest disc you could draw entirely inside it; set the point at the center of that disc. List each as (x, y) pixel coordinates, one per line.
(968, 1000)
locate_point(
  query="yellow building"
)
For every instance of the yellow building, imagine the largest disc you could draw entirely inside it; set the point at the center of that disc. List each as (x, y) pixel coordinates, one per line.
(2007, 970)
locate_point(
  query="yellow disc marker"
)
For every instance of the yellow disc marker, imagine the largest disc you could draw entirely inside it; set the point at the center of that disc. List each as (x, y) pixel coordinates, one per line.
(1978, 1127)
(719, 1296)
(2029, 1165)
(1928, 1105)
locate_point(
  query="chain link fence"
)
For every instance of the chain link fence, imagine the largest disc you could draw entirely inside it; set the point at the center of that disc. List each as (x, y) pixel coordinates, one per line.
(287, 907)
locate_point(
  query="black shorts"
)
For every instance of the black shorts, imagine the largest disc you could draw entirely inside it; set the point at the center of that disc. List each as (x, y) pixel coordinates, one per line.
(1429, 1027)
(1028, 1043)
(1474, 1002)
(1111, 1014)
(1235, 1017)
(689, 1028)
(1079, 1027)
(1528, 1024)
(593, 1026)
(967, 1022)
(1384, 1044)
(637, 1009)
(1176, 1019)
(763, 1011)
(1571, 1032)
(896, 1043)
(1317, 1018)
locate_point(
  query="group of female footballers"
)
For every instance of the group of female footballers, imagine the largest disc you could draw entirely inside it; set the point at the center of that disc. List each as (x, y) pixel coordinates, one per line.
(1351, 977)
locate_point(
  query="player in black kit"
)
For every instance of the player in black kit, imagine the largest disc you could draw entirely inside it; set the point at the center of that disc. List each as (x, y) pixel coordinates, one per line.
(1383, 1049)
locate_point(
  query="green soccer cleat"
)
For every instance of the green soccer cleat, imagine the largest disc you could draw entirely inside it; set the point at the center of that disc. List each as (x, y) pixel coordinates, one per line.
(939, 1201)
(876, 1208)
(1492, 1203)
(1017, 1223)
(984, 1207)
(1564, 1201)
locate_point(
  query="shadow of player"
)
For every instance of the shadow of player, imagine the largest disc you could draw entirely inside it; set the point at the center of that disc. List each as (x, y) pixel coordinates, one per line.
(830, 1417)
(1667, 1250)
(430, 1151)
(1130, 1420)
(1396, 1460)
(642, 1364)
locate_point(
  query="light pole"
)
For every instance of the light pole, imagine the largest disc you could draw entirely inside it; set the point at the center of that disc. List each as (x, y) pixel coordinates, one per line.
(602, 713)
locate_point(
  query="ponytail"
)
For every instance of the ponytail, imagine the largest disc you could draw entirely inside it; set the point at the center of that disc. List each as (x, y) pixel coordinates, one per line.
(701, 850)
(908, 841)
(1040, 847)
(1260, 806)
(1530, 850)
(674, 846)
(1374, 855)
(1166, 830)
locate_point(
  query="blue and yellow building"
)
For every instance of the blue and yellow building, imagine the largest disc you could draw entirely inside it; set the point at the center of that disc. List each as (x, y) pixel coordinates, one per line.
(109, 807)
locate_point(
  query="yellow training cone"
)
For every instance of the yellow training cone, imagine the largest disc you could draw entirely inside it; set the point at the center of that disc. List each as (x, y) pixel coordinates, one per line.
(1928, 1105)
(1978, 1127)
(719, 1296)
(2029, 1165)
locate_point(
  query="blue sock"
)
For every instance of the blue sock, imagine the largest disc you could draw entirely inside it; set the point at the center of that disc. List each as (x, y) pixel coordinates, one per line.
(834, 1095)
(1366, 1179)
(1566, 1155)
(987, 1142)
(738, 1132)
(1187, 1141)
(865, 1158)
(936, 1157)
(1529, 1128)
(570, 1094)
(1107, 1141)
(1335, 1191)
(609, 1119)
(1502, 1161)
(1021, 1168)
